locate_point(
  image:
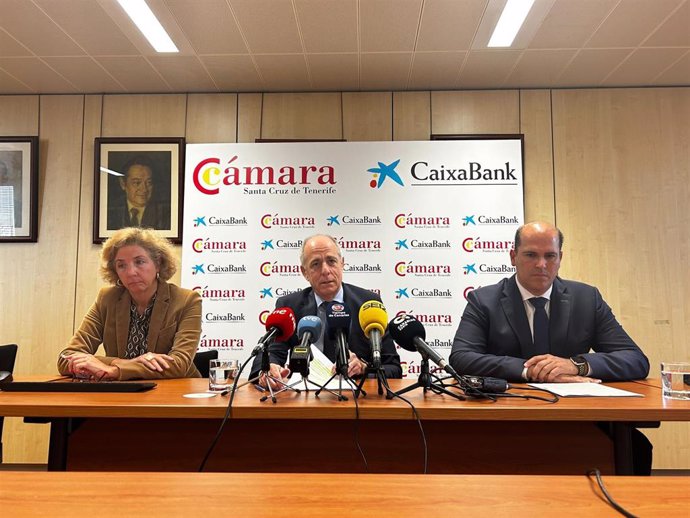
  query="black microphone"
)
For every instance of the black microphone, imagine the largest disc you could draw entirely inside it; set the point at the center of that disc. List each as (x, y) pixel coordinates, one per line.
(308, 331)
(486, 384)
(409, 333)
(338, 327)
(280, 325)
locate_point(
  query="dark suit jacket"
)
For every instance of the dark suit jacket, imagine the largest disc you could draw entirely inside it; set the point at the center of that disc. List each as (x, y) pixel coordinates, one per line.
(494, 338)
(157, 216)
(303, 303)
(174, 329)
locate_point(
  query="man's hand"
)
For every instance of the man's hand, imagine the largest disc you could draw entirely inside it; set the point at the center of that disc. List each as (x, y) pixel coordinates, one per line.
(547, 368)
(355, 366)
(275, 371)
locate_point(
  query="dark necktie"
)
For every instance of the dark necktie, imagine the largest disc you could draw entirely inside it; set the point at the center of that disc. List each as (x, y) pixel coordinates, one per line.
(541, 326)
(134, 220)
(328, 343)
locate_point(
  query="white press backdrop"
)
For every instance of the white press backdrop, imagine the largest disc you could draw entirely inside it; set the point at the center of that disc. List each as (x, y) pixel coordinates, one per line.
(420, 223)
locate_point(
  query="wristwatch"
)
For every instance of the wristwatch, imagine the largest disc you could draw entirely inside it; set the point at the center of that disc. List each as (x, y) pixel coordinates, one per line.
(581, 364)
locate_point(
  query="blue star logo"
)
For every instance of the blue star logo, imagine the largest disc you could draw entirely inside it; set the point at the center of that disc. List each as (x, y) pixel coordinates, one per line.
(385, 171)
(266, 292)
(198, 268)
(469, 268)
(333, 220)
(468, 220)
(268, 243)
(200, 221)
(401, 243)
(400, 293)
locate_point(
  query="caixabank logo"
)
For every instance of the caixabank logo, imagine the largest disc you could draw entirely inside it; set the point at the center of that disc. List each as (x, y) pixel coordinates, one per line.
(412, 220)
(277, 269)
(422, 244)
(219, 269)
(478, 244)
(217, 221)
(463, 174)
(221, 294)
(384, 172)
(210, 177)
(423, 293)
(218, 246)
(478, 220)
(227, 317)
(362, 220)
(224, 343)
(413, 269)
(270, 221)
(358, 245)
(483, 269)
(270, 292)
(430, 319)
(374, 268)
(281, 244)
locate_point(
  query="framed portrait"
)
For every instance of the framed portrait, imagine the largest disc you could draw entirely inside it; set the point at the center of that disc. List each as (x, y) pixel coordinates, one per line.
(19, 189)
(138, 183)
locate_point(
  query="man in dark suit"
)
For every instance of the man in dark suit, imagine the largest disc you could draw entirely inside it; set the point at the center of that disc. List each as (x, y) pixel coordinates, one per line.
(138, 208)
(322, 266)
(504, 333)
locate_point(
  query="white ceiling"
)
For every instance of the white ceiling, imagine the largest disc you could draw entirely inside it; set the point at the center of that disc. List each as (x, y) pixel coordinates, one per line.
(90, 46)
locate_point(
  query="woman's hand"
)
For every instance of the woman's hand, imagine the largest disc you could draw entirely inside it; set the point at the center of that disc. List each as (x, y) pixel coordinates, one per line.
(87, 366)
(154, 361)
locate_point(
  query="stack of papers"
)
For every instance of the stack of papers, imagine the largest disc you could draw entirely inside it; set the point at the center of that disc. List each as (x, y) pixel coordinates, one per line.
(319, 373)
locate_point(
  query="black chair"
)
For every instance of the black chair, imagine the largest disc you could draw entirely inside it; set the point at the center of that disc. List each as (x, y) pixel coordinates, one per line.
(8, 354)
(201, 361)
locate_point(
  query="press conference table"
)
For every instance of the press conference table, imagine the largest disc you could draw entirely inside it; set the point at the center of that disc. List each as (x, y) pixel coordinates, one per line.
(160, 430)
(317, 495)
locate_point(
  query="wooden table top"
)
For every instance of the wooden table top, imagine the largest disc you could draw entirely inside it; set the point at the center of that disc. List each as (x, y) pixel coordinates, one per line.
(167, 401)
(317, 495)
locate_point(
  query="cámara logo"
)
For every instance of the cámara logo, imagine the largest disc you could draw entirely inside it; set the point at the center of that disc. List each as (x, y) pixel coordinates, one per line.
(274, 220)
(402, 269)
(221, 343)
(219, 294)
(209, 177)
(410, 220)
(269, 268)
(382, 172)
(207, 245)
(470, 244)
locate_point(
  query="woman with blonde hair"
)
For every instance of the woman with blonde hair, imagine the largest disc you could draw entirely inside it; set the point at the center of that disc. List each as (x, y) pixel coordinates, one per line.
(148, 327)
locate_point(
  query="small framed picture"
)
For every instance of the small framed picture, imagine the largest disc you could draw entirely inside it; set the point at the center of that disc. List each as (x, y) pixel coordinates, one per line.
(138, 183)
(19, 189)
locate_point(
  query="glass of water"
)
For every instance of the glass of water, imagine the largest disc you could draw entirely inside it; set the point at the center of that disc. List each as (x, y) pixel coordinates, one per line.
(221, 374)
(675, 380)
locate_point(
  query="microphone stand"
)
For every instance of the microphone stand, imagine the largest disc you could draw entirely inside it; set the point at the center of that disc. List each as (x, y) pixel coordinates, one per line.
(265, 370)
(428, 381)
(341, 359)
(381, 382)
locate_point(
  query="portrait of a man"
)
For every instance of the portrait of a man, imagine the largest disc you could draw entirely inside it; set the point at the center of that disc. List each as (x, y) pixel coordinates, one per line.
(141, 197)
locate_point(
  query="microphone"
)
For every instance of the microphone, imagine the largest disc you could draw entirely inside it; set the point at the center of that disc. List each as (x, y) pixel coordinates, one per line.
(490, 385)
(280, 326)
(372, 320)
(338, 327)
(308, 331)
(409, 333)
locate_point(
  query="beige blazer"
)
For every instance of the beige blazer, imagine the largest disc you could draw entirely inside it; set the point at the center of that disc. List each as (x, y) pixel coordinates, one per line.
(174, 329)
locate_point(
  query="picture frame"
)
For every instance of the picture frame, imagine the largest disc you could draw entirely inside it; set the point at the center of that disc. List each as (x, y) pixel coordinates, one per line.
(138, 181)
(19, 189)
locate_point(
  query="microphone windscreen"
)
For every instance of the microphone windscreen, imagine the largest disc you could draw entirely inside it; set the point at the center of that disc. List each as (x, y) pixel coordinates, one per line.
(284, 320)
(372, 315)
(309, 324)
(404, 329)
(337, 318)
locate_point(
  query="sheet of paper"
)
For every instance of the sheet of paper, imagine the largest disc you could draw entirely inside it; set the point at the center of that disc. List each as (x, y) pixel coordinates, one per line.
(319, 372)
(584, 390)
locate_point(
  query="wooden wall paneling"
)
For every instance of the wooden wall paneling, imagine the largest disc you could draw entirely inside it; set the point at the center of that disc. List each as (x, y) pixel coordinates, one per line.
(41, 276)
(160, 115)
(411, 115)
(19, 115)
(475, 112)
(89, 280)
(622, 174)
(211, 118)
(302, 116)
(249, 109)
(535, 124)
(367, 116)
